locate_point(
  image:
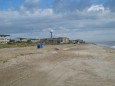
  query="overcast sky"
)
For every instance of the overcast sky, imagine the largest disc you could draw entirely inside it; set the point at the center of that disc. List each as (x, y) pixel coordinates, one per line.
(90, 20)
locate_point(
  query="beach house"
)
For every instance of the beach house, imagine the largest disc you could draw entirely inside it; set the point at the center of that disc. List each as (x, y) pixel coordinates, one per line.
(59, 40)
(4, 39)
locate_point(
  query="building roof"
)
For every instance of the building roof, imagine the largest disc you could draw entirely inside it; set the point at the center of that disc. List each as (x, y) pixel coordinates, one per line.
(55, 38)
(22, 38)
(62, 37)
(27, 39)
(4, 35)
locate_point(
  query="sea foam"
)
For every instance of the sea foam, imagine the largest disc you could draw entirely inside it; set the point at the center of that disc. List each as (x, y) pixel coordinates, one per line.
(113, 46)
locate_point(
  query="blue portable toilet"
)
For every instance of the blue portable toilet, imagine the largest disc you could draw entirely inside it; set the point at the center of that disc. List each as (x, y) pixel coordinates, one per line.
(40, 46)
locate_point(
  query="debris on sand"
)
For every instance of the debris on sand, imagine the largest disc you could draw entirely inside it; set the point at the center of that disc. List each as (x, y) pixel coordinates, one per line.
(56, 49)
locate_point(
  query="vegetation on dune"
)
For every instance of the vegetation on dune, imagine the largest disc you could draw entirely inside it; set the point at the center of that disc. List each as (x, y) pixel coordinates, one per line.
(17, 44)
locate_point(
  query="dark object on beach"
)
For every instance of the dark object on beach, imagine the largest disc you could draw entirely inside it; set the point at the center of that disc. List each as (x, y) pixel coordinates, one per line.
(56, 48)
(40, 46)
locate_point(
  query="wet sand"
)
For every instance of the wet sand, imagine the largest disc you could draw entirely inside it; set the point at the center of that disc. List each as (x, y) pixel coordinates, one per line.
(58, 65)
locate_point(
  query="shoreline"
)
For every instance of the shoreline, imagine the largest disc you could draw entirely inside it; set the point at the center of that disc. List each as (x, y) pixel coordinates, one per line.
(107, 46)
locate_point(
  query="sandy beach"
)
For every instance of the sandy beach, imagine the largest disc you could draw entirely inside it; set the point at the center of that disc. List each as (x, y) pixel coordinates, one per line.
(58, 65)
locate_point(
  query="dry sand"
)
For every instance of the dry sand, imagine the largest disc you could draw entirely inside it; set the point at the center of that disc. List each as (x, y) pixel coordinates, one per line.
(58, 65)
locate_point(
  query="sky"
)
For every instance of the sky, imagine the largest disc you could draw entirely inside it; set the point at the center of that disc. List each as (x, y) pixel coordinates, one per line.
(89, 20)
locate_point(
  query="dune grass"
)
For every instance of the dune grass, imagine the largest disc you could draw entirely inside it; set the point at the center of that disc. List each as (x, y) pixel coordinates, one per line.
(21, 44)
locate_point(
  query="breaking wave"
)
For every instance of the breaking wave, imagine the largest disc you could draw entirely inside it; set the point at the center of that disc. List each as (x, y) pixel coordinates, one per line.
(113, 47)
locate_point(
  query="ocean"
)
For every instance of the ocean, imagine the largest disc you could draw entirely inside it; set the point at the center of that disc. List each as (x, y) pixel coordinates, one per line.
(107, 44)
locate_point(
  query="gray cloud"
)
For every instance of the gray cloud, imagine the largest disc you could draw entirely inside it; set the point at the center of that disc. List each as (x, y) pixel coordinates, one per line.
(70, 5)
(30, 4)
(110, 4)
(71, 18)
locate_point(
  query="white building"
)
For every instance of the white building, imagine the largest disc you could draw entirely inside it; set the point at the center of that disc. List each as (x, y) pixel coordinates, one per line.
(21, 40)
(4, 39)
(26, 40)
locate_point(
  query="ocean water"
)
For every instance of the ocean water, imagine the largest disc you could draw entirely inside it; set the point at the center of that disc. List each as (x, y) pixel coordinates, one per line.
(107, 44)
